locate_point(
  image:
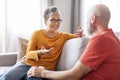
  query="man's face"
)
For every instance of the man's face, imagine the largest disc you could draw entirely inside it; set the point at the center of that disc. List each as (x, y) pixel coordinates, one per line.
(89, 26)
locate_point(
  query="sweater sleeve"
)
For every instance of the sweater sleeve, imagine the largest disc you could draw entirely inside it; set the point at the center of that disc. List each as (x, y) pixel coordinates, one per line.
(31, 52)
(69, 36)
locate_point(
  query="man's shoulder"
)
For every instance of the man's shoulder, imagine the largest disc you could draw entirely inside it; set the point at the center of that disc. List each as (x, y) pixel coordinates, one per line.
(97, 38)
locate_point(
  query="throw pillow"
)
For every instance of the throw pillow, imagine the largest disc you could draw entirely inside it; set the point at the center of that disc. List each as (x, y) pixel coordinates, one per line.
(22, 48)
(71, 52)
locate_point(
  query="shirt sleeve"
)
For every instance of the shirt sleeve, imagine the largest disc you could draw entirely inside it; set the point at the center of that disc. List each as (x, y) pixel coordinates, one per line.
(31, 52)
(95, 53)
(69, 36)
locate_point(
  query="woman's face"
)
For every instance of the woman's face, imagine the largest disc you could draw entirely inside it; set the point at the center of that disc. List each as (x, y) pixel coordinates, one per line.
(53, 22)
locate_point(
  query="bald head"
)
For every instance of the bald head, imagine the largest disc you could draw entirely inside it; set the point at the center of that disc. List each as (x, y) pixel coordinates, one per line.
(102, 12)
(98, 18)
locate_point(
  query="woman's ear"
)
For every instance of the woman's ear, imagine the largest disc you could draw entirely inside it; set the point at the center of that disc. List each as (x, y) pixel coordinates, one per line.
(45, 22)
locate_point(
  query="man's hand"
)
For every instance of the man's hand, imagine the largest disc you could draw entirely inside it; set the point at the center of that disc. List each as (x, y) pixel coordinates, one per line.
(43, 50)
(35, 72)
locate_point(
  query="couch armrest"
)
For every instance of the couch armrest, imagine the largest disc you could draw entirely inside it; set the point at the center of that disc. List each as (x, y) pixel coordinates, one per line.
(8, 59)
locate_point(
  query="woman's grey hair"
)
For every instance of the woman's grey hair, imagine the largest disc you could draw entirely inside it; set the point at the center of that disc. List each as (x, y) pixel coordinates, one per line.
(50, 10)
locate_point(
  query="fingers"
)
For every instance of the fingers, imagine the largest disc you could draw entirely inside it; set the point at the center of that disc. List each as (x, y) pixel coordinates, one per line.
(79, 32)
(35, 71)
(79, 29)
(42, 47)
(43, 50)
(50, 50)
(47, 50)
(31, 72)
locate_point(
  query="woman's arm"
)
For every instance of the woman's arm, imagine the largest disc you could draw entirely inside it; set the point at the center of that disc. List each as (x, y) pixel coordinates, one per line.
(32, 51)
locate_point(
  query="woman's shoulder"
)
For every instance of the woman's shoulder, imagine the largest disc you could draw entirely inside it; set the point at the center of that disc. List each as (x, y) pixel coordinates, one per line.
(38, 31)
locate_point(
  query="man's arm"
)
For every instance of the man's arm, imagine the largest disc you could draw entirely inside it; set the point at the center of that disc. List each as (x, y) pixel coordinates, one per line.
(73, 74)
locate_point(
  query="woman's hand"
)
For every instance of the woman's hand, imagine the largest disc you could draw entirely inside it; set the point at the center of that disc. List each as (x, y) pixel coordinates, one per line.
(43, 50)
(79, 32)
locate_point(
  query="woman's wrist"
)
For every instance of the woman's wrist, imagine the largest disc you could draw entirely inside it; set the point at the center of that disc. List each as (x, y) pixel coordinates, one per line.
(39, 53)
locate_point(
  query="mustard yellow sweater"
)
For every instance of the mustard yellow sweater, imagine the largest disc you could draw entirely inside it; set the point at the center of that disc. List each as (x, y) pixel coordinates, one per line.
(38, 39)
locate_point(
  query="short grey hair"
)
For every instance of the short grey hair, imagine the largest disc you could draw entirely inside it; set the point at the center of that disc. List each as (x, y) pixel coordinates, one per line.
(50, 10)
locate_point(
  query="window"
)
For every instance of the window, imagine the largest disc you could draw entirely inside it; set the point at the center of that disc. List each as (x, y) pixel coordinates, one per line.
(114, 6)
(19, 18)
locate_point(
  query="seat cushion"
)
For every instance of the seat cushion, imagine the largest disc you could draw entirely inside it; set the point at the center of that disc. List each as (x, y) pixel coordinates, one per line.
(71, 52)
(4, 69)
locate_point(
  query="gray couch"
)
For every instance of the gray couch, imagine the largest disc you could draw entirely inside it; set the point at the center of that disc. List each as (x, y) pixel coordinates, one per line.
(7, 60)
(71, 52)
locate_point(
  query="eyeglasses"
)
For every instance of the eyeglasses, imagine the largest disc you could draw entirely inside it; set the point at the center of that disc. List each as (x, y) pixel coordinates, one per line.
(54, 20)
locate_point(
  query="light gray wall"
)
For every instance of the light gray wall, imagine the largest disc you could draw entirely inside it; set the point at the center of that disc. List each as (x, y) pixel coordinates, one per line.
(65, 8)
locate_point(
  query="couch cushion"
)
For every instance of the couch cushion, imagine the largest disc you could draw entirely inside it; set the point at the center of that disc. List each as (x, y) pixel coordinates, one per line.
(71, 52)
(3, 69)
(22, 48)
(8, 59)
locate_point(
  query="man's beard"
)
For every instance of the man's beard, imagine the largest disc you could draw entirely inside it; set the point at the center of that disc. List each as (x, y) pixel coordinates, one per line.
(90, 29)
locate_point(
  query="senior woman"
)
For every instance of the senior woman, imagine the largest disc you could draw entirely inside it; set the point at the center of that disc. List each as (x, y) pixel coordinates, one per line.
(44, 48)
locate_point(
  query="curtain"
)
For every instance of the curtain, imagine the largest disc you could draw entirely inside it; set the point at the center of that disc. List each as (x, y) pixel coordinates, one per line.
(75, 15)
(51, 2)
(2, 23)
(19, 19)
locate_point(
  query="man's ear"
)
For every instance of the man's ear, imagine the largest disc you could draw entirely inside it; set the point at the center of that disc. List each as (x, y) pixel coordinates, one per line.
(93, 19)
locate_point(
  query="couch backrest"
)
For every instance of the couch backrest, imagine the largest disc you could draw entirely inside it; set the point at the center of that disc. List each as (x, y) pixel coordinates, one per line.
(71, 52)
